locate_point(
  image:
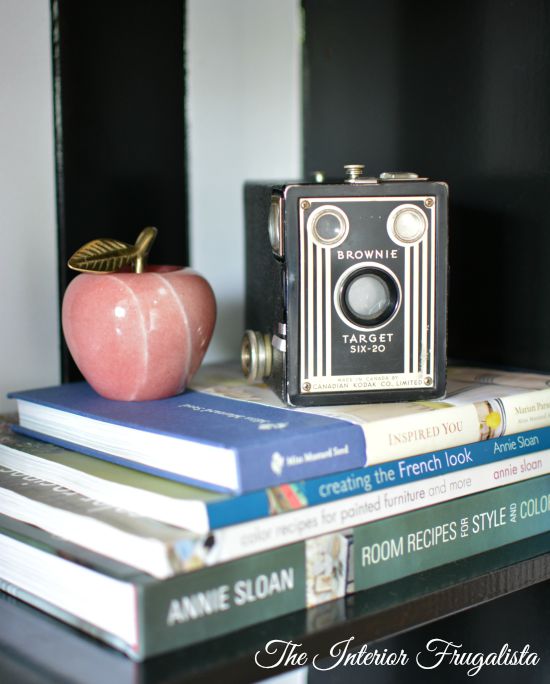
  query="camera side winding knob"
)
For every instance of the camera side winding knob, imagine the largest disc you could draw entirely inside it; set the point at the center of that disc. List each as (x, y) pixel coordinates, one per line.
(256, 355)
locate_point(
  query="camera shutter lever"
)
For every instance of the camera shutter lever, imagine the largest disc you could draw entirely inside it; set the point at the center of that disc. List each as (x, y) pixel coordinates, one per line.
(400, 176)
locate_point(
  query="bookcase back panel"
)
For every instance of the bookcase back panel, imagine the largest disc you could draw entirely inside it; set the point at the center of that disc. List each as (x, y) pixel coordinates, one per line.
(461, 93)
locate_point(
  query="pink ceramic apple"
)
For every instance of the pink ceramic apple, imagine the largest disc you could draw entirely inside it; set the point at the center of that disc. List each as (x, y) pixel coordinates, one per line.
(139, 336)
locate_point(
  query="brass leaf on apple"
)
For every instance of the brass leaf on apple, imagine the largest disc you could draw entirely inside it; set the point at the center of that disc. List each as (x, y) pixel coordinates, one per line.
(106, 255)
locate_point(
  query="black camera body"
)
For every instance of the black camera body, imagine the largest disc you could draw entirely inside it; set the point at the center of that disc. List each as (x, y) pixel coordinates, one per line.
(346, 289)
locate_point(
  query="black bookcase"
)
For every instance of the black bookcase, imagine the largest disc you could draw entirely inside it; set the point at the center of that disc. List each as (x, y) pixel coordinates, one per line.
(458, 92)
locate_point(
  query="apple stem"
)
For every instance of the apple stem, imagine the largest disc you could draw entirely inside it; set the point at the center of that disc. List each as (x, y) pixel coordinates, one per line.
(143, 246)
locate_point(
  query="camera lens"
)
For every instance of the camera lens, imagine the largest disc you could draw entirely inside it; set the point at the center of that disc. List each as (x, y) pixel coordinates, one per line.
(328, 225)
(369, 297)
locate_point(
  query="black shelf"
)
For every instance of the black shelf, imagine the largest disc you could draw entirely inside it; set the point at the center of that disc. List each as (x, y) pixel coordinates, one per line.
(37, 648)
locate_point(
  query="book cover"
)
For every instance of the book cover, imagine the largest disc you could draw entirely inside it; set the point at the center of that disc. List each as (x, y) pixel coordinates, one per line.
(480, 404)
(228, 435)
(196, 437)
(140, 541)
(164, 550)
(143, 616)
(201, 510)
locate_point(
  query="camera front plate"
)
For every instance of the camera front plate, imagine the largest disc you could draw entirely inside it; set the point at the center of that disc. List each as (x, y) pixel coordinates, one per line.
(339, 357)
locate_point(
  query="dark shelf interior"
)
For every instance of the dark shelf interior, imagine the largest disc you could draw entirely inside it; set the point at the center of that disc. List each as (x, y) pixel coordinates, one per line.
(387, 612)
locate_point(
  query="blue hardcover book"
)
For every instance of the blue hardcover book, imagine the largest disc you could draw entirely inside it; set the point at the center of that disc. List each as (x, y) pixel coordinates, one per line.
(196, 437)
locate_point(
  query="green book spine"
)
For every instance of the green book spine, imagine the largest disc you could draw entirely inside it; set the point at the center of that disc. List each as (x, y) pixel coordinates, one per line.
(187, 609)
(393, 548)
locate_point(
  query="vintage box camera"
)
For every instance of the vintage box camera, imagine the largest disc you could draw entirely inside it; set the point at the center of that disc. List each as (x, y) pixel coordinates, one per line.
(346, 288)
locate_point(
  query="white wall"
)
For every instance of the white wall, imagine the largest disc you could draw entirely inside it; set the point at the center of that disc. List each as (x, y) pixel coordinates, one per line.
(29, 340)
(243, 116)
(244, 122)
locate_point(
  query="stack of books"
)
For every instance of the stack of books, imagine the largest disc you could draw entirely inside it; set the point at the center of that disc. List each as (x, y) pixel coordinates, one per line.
(156, 525)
